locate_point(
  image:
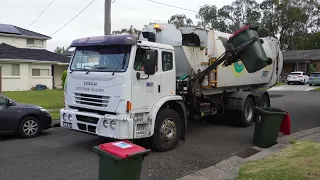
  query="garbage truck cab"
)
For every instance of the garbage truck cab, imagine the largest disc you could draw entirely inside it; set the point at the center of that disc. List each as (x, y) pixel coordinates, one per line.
(109, 92)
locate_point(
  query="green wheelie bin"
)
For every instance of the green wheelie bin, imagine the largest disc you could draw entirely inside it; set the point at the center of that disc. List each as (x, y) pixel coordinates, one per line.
(121, 160)
(253, 56)
(267, 126)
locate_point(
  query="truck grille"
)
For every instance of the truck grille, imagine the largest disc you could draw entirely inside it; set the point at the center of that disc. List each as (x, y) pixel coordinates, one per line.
(87, 119)
(91, 100)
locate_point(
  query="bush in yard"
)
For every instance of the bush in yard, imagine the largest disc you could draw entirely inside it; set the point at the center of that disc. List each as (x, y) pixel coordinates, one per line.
(63, 77)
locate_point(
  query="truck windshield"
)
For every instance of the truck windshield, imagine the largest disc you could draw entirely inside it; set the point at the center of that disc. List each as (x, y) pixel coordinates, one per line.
(101, 58)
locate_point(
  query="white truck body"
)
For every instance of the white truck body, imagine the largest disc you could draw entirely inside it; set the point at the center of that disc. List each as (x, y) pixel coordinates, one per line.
(109, 99)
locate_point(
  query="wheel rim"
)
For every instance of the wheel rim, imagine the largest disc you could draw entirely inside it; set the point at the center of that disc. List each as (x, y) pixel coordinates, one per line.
(168, 130)
(30, 127)
(248, 113)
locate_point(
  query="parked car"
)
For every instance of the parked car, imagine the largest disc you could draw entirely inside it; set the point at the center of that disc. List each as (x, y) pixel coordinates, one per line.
(24, 119)
(297, 77)
(314, 79)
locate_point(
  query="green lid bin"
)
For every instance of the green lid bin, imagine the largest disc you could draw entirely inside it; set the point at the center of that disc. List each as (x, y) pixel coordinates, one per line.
(253, 57)
(120, 160)
(267, 126)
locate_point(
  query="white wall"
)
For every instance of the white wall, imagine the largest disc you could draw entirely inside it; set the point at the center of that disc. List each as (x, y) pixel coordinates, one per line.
(57, 72)
(45, 80)
(15, 83)
(22, 42)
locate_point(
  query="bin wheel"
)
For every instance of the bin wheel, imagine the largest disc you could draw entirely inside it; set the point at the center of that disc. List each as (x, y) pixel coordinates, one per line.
(167, 130)
(265, 101)
(247, 113)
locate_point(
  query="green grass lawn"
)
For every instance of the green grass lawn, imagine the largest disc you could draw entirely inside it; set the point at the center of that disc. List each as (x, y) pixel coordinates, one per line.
(49, 99)
(281, 84)
(317, 90)
(55, 115)
(300, 161)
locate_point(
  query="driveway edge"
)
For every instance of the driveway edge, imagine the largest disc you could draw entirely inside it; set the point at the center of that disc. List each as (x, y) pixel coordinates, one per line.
(229, 168)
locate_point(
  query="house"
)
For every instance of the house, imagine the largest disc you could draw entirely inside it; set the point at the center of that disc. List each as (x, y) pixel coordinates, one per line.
(299, 60)
(25, 62)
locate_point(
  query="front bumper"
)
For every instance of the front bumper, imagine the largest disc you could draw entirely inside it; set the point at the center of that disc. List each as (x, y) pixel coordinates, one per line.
(94, 124)
(314, 81)
(46, 120)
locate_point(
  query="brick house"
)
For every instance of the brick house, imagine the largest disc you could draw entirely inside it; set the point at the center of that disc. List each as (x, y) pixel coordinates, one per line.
(299, 60)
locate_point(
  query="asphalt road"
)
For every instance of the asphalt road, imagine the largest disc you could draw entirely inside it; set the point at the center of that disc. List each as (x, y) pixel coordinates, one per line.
(61, 154)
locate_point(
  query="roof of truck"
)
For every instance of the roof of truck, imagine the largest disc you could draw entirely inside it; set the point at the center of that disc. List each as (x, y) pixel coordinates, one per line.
(105, 40)
(156, 45)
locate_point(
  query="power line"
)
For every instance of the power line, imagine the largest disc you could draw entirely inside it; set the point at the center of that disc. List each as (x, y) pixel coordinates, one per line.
(173, 6)
(36, 19)
(68, 21)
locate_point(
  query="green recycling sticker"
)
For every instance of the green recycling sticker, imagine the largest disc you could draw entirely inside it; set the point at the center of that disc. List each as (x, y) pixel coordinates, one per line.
(237, 68)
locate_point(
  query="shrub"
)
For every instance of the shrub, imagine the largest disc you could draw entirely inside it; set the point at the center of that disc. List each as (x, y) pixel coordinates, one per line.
(64, 77)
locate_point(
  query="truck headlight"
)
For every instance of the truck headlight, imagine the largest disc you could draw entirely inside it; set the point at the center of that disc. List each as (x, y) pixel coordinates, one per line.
(65, 116)
(70, 117)
(105, 123)
(138, 116)
(113, 124)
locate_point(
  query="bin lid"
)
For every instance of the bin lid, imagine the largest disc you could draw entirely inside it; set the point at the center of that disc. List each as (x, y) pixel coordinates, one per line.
(121, 149)
(239, 31)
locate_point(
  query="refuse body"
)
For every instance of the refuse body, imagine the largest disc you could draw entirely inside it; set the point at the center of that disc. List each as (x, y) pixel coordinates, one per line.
(269, 121)
(121, 160)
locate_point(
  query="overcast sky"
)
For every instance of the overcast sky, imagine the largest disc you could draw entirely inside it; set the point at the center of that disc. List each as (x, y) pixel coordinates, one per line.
(90, 23)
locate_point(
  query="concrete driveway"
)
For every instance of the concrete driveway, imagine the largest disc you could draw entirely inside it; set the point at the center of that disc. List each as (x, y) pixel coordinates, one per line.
(305, 87)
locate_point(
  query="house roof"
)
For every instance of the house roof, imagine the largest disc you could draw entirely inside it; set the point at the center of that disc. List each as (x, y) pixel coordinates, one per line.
(67, 53)
(301, 55)
(18, 31)
(11, 52)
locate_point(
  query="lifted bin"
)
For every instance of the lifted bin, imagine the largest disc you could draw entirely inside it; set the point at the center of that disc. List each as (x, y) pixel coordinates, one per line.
(120, 160)
(253, 57)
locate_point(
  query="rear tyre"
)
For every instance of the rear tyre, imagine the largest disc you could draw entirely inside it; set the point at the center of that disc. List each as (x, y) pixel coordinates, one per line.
(29, 127)
(310, 84)
(288, 83)
(265, 101)
(247, 113)
(167, 130)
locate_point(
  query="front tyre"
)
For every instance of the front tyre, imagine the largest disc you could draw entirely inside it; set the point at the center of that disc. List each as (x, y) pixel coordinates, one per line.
(29, 127)
(167, 130)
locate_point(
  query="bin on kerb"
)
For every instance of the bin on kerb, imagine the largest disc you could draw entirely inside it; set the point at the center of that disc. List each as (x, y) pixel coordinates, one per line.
(121, 160)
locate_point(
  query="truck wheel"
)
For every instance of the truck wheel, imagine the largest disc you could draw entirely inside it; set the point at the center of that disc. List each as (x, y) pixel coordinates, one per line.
(265, 101)
(247, 114)
(167, 130)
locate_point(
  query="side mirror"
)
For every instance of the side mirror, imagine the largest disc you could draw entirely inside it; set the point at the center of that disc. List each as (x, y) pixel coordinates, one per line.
(150, 62)
(10, 103)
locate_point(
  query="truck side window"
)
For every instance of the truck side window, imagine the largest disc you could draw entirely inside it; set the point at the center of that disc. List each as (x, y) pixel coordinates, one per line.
(138, 62)
(167, 61)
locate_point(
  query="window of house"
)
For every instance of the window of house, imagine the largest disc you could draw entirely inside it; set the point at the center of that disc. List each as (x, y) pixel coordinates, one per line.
(15, 70)
(30, 41)
(167, 61)
(40, 72)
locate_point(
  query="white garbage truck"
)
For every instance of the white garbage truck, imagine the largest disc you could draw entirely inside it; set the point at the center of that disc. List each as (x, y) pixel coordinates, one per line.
(129, 87)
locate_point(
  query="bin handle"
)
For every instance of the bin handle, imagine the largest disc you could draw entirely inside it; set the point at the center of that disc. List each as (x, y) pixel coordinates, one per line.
(145, 153)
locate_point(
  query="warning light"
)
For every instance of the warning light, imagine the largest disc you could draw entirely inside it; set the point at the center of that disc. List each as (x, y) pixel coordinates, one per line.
(157, 26)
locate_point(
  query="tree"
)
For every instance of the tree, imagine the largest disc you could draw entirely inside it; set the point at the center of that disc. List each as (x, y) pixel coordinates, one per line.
(59, 50)
(180, 20)
(208, 16)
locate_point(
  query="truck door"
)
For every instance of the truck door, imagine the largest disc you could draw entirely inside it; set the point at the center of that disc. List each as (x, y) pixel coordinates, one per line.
(146, 90)
(168, 74)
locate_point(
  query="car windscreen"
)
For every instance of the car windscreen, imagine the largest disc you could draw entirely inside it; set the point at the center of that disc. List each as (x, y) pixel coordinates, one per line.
(101, 58)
